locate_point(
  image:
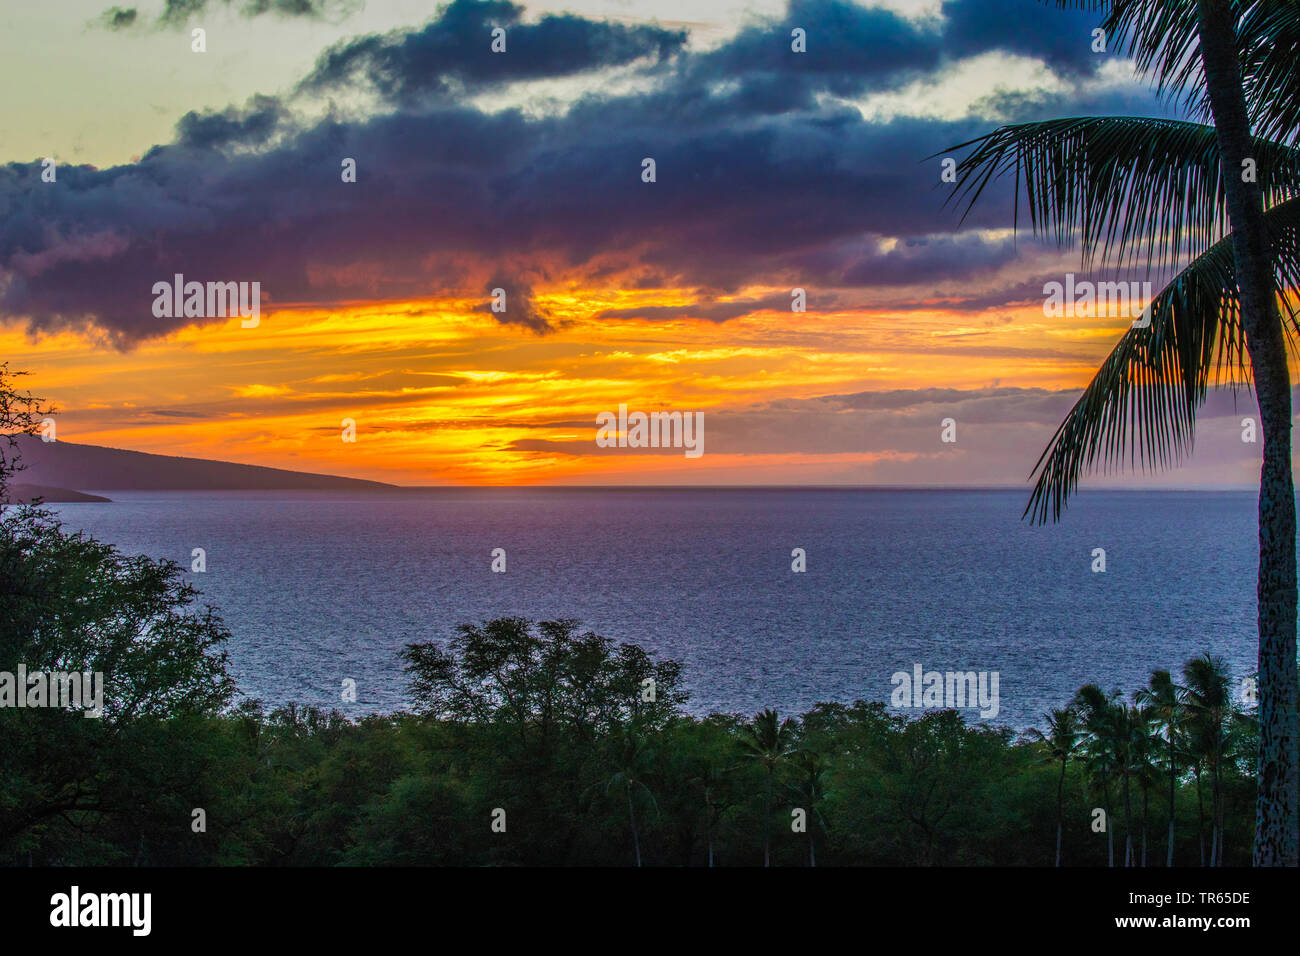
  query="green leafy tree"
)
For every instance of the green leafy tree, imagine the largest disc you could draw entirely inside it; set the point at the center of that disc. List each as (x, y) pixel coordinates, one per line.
(69, 603)
(540, 678)
(20, 414)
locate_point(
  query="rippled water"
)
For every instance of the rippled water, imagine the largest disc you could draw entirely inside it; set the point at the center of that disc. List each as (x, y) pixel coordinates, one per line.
(318, 587)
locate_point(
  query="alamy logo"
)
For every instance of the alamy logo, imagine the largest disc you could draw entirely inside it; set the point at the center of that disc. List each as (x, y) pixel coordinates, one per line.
(62, 689)
(179, 299)
(1087, 298)
(656, 430)
(75, 908)
(952, 690)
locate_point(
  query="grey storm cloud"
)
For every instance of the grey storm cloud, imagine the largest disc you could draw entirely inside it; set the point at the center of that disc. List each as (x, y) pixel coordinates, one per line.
(452, 52)
(1062, 39)
(759, 181)
(922, 258)
(253, 123)
(853, 49)
(177, 13)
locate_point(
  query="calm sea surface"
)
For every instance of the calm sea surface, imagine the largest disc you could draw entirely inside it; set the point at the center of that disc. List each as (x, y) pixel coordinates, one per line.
(318, 587)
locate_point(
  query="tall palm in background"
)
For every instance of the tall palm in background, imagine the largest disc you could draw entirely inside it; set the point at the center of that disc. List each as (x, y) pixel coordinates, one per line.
(1098, 712)
(810, 789)
(1146, 774)
(712, 780)
(1126, 728)
(1221, 196)
(1062, 740)
(1162, 699)
(632, 755)
(1210, 716)
(770, 741)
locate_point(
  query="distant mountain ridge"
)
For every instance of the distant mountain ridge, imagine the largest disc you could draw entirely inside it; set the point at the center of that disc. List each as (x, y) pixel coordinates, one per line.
(66, 465)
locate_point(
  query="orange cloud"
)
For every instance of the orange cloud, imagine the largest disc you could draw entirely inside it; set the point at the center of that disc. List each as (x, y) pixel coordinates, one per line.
(442, 393)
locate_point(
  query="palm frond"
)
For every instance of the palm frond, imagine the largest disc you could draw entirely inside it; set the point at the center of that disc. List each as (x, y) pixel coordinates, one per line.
(1164, 41)
(1142, 403)
(1163, 38)
(1272, 68)
(1126, 187)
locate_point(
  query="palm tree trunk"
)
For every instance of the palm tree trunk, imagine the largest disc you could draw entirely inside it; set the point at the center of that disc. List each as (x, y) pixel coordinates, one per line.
(1216, 818)
(1110, 830)
(708, 824)
(631, 813)
(1146, 800)
(767, 820)
(1218, 810)
(1277, 809)
(1128, 825)
(1200, 816)
(1218, 781)
(1060, 811)
(1173, 776)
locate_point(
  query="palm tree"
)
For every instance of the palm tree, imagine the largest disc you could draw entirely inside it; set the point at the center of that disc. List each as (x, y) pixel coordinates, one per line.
(1098, 713)
(1062, 740)
(1162, 699)
(1211, 712)
(711, 772)
(1125, 731)
(810, 787)
(770, 741)
(712, 780)
(1222, 194)
(1142, 753)
(632, 755)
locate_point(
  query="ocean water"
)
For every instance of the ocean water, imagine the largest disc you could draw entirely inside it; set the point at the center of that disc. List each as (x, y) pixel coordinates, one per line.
(321, 586)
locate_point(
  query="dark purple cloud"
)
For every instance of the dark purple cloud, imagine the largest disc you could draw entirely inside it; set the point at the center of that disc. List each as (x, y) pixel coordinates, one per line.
(852, 49)
(1062, 38)
(251, 124)
(452, 53)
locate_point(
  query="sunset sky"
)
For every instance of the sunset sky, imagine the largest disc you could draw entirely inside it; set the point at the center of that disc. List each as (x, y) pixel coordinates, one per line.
(522, 170)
